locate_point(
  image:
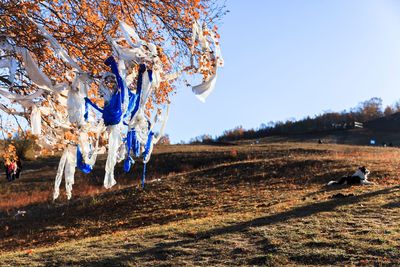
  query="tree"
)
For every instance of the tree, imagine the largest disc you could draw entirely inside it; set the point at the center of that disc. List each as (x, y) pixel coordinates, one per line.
(371, 109)
(389, 110)
(165, 140)
(263, 126)
(82, 28)
(84, 71)
(396, 106)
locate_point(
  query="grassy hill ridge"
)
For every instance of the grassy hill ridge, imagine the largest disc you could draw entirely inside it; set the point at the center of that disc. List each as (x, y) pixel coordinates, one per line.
(384, 130)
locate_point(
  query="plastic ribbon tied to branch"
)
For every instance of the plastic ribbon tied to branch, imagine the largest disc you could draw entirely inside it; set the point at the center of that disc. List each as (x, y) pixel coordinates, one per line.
(67, 116)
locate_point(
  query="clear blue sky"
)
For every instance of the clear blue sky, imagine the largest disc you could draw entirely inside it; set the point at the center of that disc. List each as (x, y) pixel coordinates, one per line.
(291, 58)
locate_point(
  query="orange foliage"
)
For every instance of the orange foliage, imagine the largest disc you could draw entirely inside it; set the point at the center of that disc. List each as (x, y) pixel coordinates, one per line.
(82, 27)
(10, 154)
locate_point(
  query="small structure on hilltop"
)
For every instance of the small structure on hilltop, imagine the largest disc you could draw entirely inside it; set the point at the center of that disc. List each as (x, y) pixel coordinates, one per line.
(372, 142)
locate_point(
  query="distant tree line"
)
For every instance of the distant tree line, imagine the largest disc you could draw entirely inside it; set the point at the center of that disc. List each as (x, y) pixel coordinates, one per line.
(365, 111)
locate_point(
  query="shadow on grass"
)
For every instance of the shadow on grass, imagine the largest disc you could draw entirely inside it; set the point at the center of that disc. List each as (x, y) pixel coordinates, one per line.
(333, 189)
(164, 248)
(392, 205)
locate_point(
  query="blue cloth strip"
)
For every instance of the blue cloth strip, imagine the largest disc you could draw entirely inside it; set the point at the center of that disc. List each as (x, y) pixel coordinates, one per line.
(114, 68)
(134, 101)
(150, 73)
(87, 103)
(131, 104)
(132, 144)
(142, 69)
(148, 144)
(112, 111)
(135, 144)
(86, 168)
(96, 107)
(128, 164)
(144, 175)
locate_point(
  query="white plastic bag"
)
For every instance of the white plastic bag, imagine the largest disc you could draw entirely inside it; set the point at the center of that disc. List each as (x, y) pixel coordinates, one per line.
(36, 121)
(203, 90)
(76, 107)
(114, 141)
(67, 163)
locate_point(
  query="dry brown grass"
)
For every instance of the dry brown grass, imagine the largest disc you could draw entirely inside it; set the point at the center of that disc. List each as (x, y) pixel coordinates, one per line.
(239, 205)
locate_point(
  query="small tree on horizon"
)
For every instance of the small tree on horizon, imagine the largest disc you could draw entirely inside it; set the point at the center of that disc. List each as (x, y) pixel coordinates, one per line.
(389, 110)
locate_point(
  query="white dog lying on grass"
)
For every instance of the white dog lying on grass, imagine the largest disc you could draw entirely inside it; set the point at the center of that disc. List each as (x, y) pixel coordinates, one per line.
(359, 177)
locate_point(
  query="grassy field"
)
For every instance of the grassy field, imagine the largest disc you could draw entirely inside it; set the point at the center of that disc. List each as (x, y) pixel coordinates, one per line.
(263, 204)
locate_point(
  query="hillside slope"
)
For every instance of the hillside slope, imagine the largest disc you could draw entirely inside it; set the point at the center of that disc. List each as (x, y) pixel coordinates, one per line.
(206, 205)
(360, 137)
(385, 130)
